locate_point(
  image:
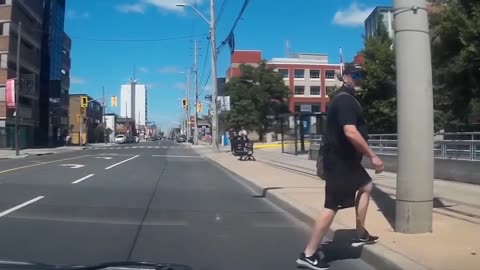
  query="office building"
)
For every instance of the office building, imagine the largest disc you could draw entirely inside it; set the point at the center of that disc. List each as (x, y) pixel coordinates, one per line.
(133, 102)
(111, 122)
(310, 77)
(30, 13)
(55, 75)
(87, 121)
(380, 15)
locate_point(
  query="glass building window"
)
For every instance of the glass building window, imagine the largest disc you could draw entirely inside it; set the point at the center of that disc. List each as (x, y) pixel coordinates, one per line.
(299, 74)
(330, 74)
(314, 74)
(283, 72)
(3, 60)
(315, 90)
(300, 90)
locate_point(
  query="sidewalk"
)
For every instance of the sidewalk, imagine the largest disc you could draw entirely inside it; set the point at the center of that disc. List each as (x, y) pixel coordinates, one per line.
(10, 154)
(291, 182)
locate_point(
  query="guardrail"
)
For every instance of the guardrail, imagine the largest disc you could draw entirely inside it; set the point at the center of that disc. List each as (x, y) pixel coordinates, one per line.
(444, 149)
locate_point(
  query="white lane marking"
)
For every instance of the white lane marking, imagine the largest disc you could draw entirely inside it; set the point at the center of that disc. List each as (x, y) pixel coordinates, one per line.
(104, 157)
(174, 156)
(135, 147)
(116, 164)
(149, 147)
(82, 179)
(20, 206)
(72, 166)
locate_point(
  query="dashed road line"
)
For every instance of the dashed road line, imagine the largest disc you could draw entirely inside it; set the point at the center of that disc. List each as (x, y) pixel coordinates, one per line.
(82, 179)
(20, 206)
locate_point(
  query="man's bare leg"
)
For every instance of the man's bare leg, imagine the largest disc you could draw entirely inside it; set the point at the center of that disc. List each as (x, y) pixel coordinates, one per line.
(361, 206)
(322, 224)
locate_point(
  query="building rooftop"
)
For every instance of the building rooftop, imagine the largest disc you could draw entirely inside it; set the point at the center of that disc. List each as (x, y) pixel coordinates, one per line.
(302, 58)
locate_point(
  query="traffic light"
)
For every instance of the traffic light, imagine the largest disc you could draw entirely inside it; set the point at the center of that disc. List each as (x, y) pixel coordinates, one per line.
(199, 106)
(114, 101)
(184, 104)
(84, 102)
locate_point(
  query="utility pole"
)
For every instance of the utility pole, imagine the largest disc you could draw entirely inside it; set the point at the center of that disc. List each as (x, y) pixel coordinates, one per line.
(104, 119)
(188, 105)
(214, 77)
(17, 89)
(415, 118)
(195, 70)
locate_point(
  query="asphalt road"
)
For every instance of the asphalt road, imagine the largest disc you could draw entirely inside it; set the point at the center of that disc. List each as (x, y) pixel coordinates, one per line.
(157, 202)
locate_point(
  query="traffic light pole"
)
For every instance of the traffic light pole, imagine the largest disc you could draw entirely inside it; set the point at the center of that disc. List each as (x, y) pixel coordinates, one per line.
(17, 89)
(80, 140)
(195, 67)
(103, 117)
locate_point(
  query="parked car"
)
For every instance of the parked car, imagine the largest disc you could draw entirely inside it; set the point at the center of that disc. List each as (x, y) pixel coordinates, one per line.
(181, 139)
(120, 138)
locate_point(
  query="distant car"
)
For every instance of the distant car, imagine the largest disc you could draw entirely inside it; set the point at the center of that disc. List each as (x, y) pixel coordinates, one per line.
(120, 139)
(181, 139)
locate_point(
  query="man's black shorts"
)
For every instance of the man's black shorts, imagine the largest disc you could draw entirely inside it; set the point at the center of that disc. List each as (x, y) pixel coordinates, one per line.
(342, 181)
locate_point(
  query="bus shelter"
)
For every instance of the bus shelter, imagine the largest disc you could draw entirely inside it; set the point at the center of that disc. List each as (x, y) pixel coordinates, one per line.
(301, 131)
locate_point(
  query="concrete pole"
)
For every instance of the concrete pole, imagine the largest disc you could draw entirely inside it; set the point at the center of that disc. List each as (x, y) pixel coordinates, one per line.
(214, 78)
(415, 118)
(188, 104)
(195, 68)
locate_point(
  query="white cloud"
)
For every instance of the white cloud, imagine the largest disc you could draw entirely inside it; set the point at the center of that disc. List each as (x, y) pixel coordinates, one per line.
(77, 80)
(151, 86)
(72, 14)
(133, 8)
(168, 69)
(169, 5)
(180, 86)
(354, 15)
(143, 69)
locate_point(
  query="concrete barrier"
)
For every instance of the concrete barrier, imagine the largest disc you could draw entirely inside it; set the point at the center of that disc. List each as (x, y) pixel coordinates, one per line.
(464, 171)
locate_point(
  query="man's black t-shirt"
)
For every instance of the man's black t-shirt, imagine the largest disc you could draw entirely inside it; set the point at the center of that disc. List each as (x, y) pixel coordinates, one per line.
(344, 110)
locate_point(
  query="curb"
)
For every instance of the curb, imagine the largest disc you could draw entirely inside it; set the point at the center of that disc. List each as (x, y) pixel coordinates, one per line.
(378, 256)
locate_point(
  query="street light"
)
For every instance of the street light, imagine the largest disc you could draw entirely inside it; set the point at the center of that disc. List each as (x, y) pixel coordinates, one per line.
(195, 9)
(213, 47)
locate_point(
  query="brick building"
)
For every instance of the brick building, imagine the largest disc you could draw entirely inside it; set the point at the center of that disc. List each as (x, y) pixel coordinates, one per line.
(92, 118)
(30, 13)
(310, 77)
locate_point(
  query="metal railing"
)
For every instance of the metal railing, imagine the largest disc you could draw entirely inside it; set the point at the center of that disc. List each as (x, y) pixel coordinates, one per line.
(466, 149)
(446, 149)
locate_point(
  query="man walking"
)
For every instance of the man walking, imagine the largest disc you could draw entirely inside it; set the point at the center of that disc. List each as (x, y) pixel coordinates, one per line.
(347, 184)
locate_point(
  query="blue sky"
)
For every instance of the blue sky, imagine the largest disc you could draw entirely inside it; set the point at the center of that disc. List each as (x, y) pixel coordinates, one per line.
(318, 26)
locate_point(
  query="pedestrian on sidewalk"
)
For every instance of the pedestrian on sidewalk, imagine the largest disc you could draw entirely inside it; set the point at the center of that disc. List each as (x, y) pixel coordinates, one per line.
(347, 183)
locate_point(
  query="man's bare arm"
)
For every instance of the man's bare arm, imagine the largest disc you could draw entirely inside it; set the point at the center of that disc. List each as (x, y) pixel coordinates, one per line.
(357, 140)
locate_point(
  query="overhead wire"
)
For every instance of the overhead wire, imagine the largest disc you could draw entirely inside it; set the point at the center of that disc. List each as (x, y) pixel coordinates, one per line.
(138, 40)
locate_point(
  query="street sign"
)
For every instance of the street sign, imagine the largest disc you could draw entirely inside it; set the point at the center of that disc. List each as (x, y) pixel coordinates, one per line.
(28, 84)
(306, 108)
(224, 103)
(72, 166)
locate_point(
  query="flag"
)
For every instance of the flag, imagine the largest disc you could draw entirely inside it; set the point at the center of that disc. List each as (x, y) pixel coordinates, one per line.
(231, 42)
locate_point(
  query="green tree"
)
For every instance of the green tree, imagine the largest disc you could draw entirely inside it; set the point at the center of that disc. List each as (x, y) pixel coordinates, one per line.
(455, 35)
(257, 96)
(378, 94)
